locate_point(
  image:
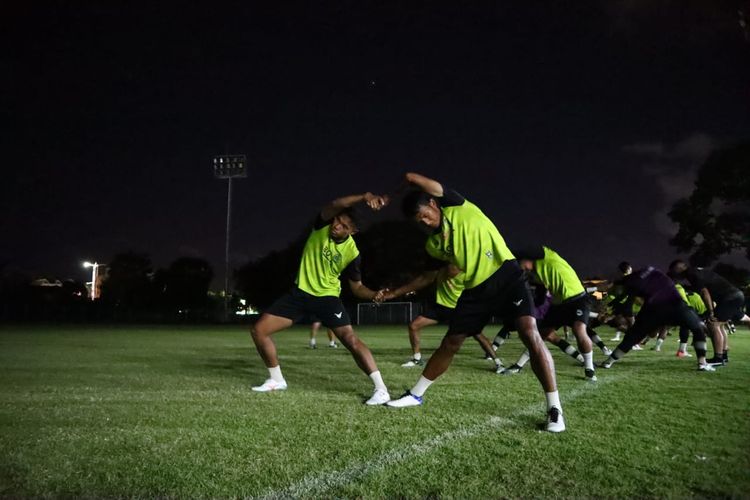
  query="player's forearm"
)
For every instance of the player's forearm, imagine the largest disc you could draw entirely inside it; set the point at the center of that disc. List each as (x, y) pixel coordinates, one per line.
(417, 283)
(706, 296)
(426, 184)
(362, 292)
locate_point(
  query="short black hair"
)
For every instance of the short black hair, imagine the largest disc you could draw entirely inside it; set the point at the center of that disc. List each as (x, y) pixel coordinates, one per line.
(354, 215)
(673, 265)
(415, 199)
(623, 266)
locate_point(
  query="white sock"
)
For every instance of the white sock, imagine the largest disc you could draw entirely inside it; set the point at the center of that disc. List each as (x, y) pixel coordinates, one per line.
(683, 347)
(377, 379)
(570, 350)
(523, 359)
(498, 362)
(618, 333)
(498, 341)
(553, 399)
(275, 374)
(659, 342)
(421, 386)
(332, 343)
(312, 342)
(417, 356)
(588, 360)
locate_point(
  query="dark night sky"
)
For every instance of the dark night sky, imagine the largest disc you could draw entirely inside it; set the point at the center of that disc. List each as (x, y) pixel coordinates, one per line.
(572, 123)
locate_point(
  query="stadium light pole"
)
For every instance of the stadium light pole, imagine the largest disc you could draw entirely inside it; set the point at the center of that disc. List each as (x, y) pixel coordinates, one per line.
(94, 275)
(229, 167)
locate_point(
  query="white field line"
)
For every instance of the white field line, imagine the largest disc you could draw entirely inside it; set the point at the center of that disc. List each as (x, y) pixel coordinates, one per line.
(320, 483)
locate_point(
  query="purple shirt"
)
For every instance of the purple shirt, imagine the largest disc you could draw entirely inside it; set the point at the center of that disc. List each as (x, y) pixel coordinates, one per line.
(653, 285)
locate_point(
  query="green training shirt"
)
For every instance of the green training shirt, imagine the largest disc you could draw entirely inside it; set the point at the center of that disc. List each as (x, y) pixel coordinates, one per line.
(449, 290)
(468, 239)
(557, 276)
(695, 301)
(323, 261)
(682, 293)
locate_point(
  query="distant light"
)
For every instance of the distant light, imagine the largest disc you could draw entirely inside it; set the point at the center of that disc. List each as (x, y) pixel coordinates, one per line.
(88, 264)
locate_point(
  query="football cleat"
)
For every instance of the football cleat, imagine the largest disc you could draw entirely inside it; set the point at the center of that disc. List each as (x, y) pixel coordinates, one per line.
(607, 363)
(706, 368)
(683, 354)
(379, 397)
(606, 351)
(270, 385)
(512, 369)
(405, 401)
(590, 375)
(637, 347)
(555, 421)
(412, 362)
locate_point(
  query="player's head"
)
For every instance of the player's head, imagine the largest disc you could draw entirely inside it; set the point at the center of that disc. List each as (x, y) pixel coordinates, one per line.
(524, 258)
(422, 208)
(677, 268)
(625, 268)
(343, 225)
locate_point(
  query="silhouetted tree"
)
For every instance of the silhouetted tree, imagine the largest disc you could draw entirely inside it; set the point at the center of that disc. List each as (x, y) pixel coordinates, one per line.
(715, 219)
(186, 284)
(127, 285)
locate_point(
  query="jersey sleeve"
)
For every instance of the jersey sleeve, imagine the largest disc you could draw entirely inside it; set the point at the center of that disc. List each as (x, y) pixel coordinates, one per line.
(353, 271)
(696, 280)
(451, 198)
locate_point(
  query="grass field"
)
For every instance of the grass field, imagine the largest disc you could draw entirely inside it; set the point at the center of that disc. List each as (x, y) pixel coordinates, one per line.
(168, 412)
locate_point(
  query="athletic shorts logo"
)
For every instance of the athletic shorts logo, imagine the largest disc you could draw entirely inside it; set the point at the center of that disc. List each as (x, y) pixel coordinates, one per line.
(338, 315)
(517, 302)
(579, 312)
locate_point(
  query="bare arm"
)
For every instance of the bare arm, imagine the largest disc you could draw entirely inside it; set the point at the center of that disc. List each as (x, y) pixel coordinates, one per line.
(362, 292)
(426, 184)
(421, 281)
(706, 296)
(375, 202)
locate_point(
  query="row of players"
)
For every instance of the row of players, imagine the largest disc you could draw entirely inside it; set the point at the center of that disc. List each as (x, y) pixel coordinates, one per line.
(479, 277)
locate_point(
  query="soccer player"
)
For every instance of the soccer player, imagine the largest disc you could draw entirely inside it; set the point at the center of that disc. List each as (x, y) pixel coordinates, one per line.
(494, 284)
(695, 302)
(713, 288)
(450, 284)
(570, 302)
(622, 304)
(314, 328)
(329, 252)
(663, 306)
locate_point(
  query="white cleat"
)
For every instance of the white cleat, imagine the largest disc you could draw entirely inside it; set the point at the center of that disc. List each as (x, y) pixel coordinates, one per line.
(706, 368)
(555, 421)
(606, 351)
(607, 363)
(270, 385)
(637, 347)
(405, 401)
(379, 397)
(412, 363)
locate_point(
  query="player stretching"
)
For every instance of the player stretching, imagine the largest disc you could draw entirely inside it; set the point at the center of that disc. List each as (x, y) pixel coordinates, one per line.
(713, 288)
(450, 284)
(570, 302)
(330, 251)
(463, 236)
(662, 306)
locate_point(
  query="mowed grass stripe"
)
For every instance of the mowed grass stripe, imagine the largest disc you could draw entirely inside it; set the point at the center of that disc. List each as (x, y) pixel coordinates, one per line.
(320, 484)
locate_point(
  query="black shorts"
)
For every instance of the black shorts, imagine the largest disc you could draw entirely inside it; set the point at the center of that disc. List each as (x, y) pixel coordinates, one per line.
(653, 317)
(505, 294)
(730, 307)
(438, 312)
(567, 313)
(299, 305)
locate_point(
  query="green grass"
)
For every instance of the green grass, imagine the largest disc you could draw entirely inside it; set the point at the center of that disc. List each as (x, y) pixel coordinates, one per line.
(145, 412)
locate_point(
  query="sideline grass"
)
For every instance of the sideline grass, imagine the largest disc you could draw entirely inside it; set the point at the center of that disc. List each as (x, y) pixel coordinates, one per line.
(164, 411)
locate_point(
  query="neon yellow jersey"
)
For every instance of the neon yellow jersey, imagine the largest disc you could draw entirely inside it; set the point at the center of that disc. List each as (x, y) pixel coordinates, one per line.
(449, 290)
(681, 291)
(468, 239)
(695, 301)
(323, 261)
(557, 276)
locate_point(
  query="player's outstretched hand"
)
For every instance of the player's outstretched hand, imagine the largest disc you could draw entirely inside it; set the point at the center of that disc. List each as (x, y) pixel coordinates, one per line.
(380, 295)
(376, 202)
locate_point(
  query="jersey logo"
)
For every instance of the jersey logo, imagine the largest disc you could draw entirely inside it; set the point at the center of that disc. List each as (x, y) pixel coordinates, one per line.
(338, 315)
(517, 302)
(488, 254)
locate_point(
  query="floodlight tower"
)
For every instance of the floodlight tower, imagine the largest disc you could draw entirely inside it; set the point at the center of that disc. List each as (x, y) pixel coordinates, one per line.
(94, 276)
(228, 167)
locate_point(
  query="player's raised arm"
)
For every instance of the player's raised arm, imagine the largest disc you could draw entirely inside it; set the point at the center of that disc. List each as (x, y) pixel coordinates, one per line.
(429, 186)
(423, 280)
(375, 202)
